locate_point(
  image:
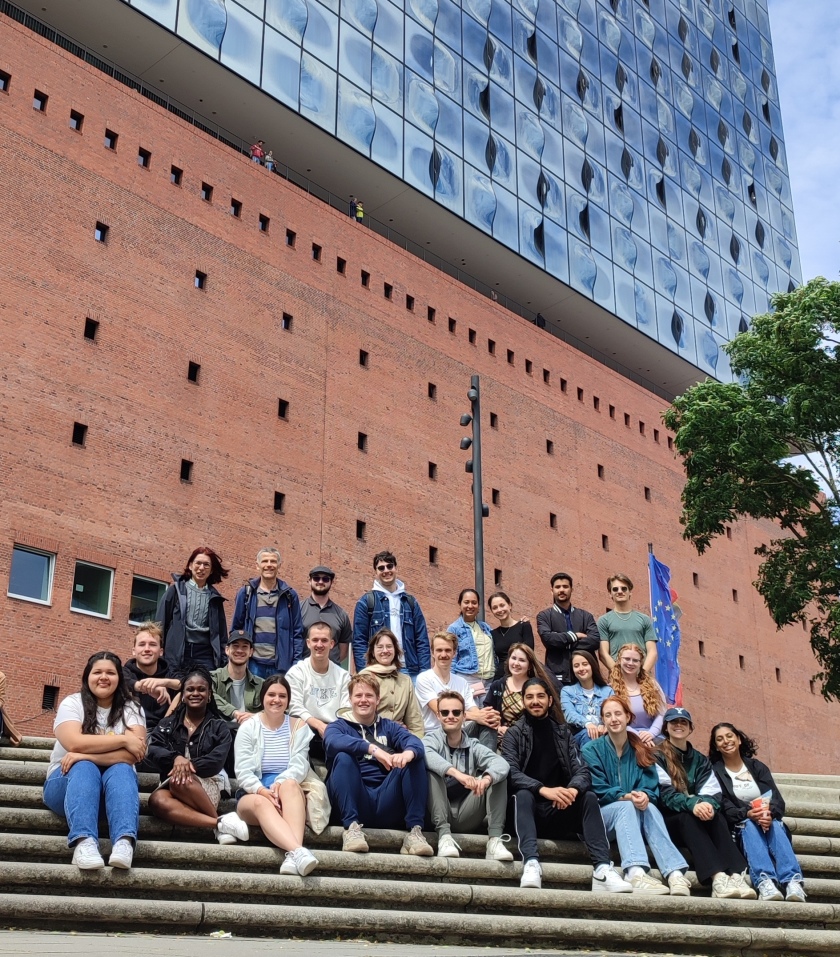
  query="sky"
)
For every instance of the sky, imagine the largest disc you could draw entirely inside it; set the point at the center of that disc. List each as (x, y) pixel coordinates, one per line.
(806, 45)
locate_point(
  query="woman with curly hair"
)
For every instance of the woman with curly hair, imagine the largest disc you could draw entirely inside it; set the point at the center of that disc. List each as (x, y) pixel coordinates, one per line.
(100, 735)
(397, 699)
(642, 693)
(581, 702)
(754, 808)
(505, 694)
(192, 615)
(189, 749)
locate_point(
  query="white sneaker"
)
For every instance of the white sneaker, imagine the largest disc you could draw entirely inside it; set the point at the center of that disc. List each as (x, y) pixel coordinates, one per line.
(86, 855)
(723, 887)
(288, 866)
(122, 854)
(232, 825)
(767, 891)
(223, 838)
(448, 846)
(795, 892)
(645, 883)
(305, 861)
(679, 884)
(610, 882)
(496, 850)
(744, 889)
(531, 874)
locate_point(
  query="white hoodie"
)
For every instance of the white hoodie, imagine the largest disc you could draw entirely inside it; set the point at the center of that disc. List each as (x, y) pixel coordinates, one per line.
(395, 606)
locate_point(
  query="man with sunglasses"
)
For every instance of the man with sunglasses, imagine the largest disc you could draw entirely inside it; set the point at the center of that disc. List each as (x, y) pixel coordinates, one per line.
(625, 626)
(388, 605)
(467, 783)
(320, 607)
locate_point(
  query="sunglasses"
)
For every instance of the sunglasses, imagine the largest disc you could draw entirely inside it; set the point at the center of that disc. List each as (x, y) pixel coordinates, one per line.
(618, 588)
(455, 712)
(386, 568)
(324, 579)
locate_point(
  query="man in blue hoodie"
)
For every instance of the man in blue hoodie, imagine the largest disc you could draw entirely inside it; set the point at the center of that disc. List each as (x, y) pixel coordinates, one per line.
(267, 609)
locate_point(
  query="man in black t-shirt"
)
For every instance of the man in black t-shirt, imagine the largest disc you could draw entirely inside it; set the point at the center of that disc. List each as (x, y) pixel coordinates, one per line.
(147, 674)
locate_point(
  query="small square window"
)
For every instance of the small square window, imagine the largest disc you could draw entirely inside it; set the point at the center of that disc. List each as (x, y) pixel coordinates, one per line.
(552, 520)
(433, 555)
(287, 321)
(471, 336)
(695, 578)
(453, 323)
(79, 433)
(495, 496)
(409, 302)
(729, 532)
(563, 384)
(363, 358)
(193, 371)
(529, 367)
(5, 81)
(91, 329)
(813, 686)
(92, 587)
(39, 101)
(701, 647)
(207, 192)
(491, 347)
(362, 442)
(647, 494)
(656, 435)
(432, 390)
(31, 574)
(430, 314)
(605, 542)
(580, 395)
(111, 140)
(627, 420)
(510, 357)
(433, 471)
(200, 279)
(235, 208)
(600, 471)
(734, 594)
(361, 530)
(341, 265)
(283, 408)
(497, 578)
(779, 675)
(176, 175)
(76, 120)
(49, 699)
(316, 252)
(494, 420)
(146, 593)
(291, 238)
(186, 470)
(596, 403)
(279, 502)
(100, 232)
(387, 290)
(264, 223)
(641, 428)
(670, 442)
(612, 411)
(365, 279)
(549, 446)
(546, 376)
(741, 662)
(144, 158)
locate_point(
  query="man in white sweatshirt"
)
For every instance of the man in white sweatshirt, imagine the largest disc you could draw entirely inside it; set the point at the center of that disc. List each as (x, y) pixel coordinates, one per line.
(319, 689)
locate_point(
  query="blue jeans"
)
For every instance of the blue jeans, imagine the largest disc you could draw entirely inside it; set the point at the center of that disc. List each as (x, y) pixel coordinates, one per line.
(77, 795)
(769, 853)
(262, 669)
(631, 828)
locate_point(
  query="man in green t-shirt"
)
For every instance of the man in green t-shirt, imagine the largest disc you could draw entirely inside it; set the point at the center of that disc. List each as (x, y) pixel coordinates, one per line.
(624, 626)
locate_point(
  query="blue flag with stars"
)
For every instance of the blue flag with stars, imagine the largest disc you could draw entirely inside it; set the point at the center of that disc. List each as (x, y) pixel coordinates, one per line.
(665, 613)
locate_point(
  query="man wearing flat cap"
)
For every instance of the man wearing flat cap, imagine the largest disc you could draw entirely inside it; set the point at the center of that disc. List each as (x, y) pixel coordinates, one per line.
(320, 607)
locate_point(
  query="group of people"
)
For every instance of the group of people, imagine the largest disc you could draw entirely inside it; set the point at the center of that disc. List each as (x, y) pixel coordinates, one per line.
(468, 732)
(259, 154)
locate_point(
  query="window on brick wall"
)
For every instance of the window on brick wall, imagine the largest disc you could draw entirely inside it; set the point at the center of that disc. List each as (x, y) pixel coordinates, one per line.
(176, 175)
(79, 433)
(5, 81)
(200, 281)
(365, 279)
(110, 141)
(287, 321)
(552, 520)
(264, 222)
(280, 502)
(316, 252)
(471, 336)
(93, 586)
(387, 290)
(341, 265)
(529, 367)
(362, 442)
(432, 391)
(283, 408)
(235, 208)
(361, 530)
(144, 158)
(186, 470)
(291, 238)
(491, 346)
(549, 446)
(206, 192)
(409, 302)
(430, 314)
(77, 120)
(193, 371)
(433, 471)
(39, 101)
(453, 324)
(145, 595)
(31, 574)
(363, 358)
(546, 377)
(433, 555)
(91, 329)
(100, 232)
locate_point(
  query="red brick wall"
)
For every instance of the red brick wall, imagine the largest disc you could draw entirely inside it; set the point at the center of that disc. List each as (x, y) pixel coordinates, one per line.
(119, 500)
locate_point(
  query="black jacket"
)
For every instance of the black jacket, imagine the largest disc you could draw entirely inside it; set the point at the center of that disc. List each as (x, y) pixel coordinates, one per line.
(154, 711)
(518, 743)
(209, 746)
(171, 613)
(734, 809)
(560, 643)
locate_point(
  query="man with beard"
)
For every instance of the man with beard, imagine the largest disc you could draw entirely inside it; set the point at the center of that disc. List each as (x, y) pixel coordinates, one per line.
(320, 607)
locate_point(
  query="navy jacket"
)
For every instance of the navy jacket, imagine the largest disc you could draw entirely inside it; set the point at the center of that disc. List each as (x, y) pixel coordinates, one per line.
(289, 645)
(560, 642)
(344, 736)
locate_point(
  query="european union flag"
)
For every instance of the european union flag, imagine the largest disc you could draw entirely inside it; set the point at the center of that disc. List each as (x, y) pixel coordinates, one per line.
(665, 613)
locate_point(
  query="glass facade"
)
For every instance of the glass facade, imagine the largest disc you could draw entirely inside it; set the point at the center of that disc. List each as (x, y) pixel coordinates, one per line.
(631, 148)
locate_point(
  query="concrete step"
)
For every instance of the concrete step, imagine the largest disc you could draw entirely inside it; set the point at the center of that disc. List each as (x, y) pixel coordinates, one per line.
(831, 781)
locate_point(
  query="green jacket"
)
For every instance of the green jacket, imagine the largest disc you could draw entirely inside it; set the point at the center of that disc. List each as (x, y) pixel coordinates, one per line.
(221, 691)
(700, 779)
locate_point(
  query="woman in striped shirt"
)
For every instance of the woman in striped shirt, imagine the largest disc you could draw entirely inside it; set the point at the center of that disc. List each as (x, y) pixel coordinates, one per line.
(272, 759)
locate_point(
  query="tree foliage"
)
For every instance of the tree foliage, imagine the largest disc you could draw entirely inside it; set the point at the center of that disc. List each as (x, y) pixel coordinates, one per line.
(767, 448)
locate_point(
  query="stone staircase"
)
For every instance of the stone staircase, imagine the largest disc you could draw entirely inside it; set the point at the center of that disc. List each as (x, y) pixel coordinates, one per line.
(183, 882)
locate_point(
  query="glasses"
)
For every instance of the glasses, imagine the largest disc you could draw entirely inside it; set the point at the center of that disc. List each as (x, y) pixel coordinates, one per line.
(197, 564)
(325, 579)
(455, 712)
(386, 568)
(617, 588)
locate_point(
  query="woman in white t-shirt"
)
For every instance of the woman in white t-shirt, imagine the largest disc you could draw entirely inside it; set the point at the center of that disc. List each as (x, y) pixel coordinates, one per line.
(100, 735)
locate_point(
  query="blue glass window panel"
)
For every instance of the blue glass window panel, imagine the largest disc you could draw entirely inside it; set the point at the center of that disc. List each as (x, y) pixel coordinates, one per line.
(449, 190)
(506, 221)
(582, 268)
(522, 31)
(550, 111)
(548, 58)
(475, 37)
(388, 32)
(708, 351)
(281, 68)
(387, 146)
(421, 105)
(501, 69)
(321, 37)
(576, 203)
(658, 229)
(529, 220)
(586, 14)
(257, 7)
(500, 22)
(529, 133)
(447, 71)
(552, 157)
(599, 230)
(645, 303)
(418, 153)
(643, 269)
(449, 125)
(682, 297)
(574, 160)
(356, 120)
(699, 293)
(386, 79)
(504, 169)
(555, 201)
(475, 142)
(524, 76)
(475, 83)
(424, 12)
(242, 45)
(633, 129)
(625, 247)
(448, 24)
(528, 174)
(362, 14)
(609, 33)
(621, 204)
(419, 50)
(590, 55)
(556, 250)
(203, 26)
(479, 199)
(715, 272)
(355, 55)
(317, 92)
(625, 299)
(479, 9)
(570, 36)
(547, 19)
(595, 144)
(575, 122)
(162, 11)
(676, 243)
(289, 17)
(502, 112)
(528, 8)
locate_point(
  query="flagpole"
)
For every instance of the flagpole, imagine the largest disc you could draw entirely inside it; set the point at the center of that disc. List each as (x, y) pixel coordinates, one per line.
(650, 581)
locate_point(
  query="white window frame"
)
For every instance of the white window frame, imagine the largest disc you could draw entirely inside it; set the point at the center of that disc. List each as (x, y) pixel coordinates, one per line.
(145, 578)
(84, 611)
(34, 551)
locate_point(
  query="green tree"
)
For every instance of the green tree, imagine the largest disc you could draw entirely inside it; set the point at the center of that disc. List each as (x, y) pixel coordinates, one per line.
(767, 448)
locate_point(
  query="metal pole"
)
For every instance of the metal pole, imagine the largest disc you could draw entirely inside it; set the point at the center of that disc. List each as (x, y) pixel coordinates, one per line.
(478, 517)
